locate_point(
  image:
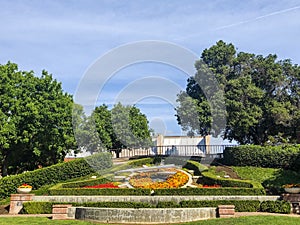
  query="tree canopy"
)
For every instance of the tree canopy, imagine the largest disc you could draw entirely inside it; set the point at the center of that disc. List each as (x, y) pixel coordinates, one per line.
(35, 120)
(261, 94)
(121, 127)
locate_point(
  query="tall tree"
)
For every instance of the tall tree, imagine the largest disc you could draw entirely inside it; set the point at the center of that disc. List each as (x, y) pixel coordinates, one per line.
(121, 127)
(36, 120)
(262, 96)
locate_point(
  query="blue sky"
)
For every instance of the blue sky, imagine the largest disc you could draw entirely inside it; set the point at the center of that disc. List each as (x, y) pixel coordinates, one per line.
(65, 37)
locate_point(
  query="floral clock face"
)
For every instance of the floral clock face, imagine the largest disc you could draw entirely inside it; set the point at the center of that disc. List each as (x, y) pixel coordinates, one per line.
(159, 179)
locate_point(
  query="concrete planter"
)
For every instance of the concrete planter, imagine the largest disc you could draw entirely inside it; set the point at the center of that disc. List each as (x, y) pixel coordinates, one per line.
(293, 190)
(24, 190)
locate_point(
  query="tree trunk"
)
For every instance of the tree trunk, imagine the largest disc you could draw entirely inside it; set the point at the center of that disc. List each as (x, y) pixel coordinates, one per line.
(4, 166)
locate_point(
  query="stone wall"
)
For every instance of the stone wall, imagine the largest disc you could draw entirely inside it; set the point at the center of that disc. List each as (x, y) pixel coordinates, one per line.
(143, 216)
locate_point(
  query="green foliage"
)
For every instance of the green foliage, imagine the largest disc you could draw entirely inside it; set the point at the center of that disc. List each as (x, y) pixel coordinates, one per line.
(240, 205)
(58, 190)
(211, 179)
(169, 204)
(261, 96)
(284, 156)
(90, 182)
(196, 166)
(244, 220)
(275, 207)
(141, 162)
(37, 207)
(35, 120)
(211, 191)
(49, 175)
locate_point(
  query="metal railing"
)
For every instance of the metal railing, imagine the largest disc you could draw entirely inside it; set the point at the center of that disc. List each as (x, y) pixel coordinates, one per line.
(176, 150)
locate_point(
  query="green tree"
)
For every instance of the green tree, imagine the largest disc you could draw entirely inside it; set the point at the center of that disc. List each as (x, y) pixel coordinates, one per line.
(262, 96)
(35, 119)
(121, 127)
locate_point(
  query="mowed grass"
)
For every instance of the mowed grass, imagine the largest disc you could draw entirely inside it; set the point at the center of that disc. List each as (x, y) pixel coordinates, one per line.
(268, 176)
(250, 220)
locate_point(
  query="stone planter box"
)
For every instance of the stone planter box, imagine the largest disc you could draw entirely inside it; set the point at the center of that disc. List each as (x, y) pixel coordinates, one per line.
(294, 190)
(24, 190)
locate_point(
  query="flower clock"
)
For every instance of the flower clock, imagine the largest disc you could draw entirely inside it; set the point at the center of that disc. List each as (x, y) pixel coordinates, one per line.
(145, 180)
(24, 188)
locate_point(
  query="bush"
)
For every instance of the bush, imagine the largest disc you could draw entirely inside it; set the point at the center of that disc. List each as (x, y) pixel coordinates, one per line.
(240, 205)
(141, 162)
(170, 204)
(58, 190)
(211, 179)
(275, 207)
(37, 207)
(46, 207)
(284, 156)
(210, 191)
(52, 174)
(196, 166)
(90, 182)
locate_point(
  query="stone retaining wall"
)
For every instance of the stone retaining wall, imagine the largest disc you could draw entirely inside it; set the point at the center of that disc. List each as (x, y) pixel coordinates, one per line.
(150, 199)
(143, 216)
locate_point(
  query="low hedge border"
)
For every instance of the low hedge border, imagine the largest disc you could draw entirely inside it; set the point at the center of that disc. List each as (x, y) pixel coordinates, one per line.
(240, 205)
(58, 190)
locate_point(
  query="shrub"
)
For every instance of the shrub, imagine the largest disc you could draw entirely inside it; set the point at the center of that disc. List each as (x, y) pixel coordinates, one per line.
(37, 207)
(240, 205)
(140, 162)
(210, 191)
(275, 207)
(58, 190)
(170, 204)
(52, 174)
(196, 166)
(46, 207)
(284, 156)
(211, 179)
(90, 182)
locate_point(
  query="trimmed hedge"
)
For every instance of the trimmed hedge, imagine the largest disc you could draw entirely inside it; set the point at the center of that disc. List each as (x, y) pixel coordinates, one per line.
(53, 174)
(46, 207)
(58, 190)
(90, 182)
(211, 179)
(210, 191)
(196, 166)
(284, 156)
(240, 205)
(275, 207)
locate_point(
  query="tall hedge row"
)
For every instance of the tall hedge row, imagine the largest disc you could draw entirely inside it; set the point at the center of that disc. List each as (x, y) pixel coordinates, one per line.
(285, 156)
(53, 174)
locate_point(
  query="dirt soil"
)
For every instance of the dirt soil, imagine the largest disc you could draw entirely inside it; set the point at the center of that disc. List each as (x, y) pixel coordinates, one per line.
(229, 171)
(4, 209)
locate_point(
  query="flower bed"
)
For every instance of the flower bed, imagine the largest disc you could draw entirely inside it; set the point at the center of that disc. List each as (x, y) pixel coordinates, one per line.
(146, 180)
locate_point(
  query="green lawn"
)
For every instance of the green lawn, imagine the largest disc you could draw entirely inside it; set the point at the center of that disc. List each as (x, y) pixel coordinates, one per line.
(268, 176)
(250, 220)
